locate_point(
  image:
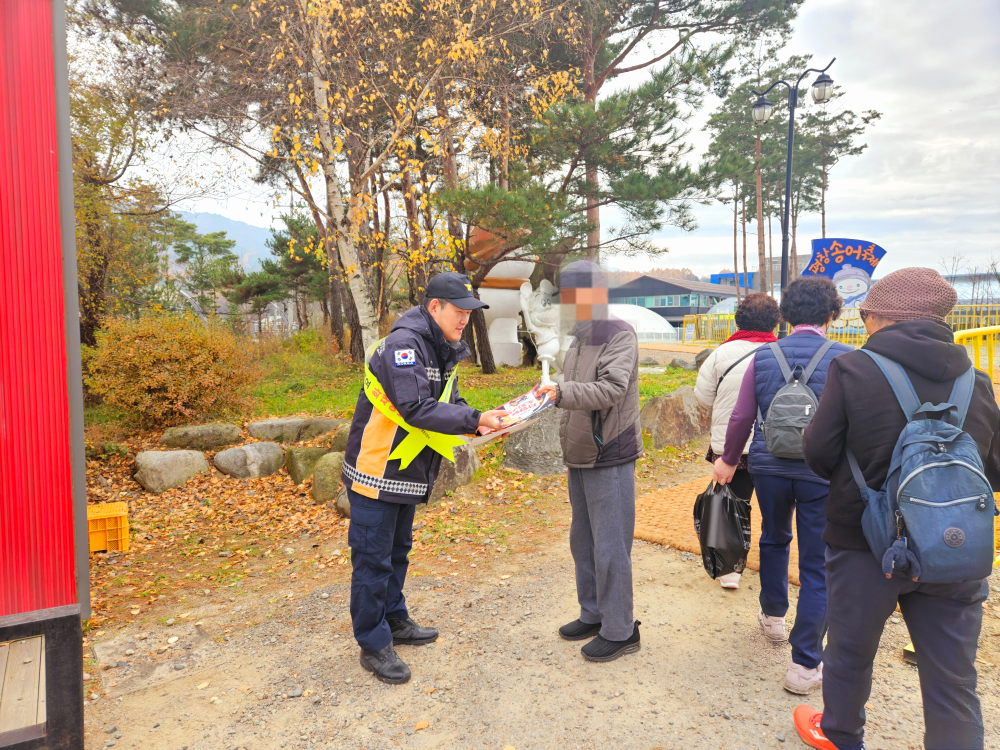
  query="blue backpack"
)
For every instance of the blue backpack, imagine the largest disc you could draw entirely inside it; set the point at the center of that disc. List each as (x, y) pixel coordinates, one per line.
(933, 518)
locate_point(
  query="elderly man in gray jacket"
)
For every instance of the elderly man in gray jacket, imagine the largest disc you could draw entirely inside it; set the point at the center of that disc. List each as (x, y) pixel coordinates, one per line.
(601, 439)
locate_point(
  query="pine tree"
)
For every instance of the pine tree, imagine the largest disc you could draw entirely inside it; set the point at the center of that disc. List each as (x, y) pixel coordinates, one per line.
(209, 264)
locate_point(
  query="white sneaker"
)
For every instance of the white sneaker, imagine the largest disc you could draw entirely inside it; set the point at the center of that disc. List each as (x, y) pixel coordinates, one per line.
(802, 681)
(772, 627)
(730, 581)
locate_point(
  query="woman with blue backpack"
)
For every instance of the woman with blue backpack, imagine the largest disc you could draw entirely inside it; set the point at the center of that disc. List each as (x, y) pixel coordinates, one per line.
(908, 434)
(781, 390)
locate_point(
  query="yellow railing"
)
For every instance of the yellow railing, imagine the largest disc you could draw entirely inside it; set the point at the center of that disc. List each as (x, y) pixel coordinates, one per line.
(712, 330)
(964, 317)
(982, 346)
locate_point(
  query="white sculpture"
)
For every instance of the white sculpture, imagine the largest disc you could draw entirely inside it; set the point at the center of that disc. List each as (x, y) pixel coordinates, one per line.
(540, 309)
(504, 341)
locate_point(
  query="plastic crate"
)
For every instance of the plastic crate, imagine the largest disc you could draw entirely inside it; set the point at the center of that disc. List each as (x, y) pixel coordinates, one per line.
(107, 526)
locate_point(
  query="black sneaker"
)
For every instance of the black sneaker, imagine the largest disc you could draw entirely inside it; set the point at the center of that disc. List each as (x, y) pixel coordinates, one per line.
(408, 633)
(601, 649)
(578, 630)
(386, 665)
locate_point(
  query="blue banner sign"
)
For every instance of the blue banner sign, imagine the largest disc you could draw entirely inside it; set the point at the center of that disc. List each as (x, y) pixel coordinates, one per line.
(848, 263)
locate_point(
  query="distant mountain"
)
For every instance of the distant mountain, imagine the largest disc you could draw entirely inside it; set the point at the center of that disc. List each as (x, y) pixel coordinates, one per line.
(250, 240)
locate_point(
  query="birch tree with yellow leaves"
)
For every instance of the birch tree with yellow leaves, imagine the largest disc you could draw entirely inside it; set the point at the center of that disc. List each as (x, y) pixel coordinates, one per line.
(343, 102)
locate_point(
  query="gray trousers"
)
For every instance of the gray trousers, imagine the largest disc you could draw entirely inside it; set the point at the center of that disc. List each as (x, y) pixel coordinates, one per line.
(600, 538)
(944, 620)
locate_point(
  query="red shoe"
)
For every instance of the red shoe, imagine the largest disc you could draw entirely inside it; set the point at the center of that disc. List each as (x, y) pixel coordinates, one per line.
(807, 721)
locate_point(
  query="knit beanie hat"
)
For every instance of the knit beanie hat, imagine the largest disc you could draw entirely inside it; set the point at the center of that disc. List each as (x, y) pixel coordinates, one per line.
(911, 294)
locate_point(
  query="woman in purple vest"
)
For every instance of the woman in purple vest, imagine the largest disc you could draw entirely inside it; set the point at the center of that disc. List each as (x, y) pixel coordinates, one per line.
(785, 485)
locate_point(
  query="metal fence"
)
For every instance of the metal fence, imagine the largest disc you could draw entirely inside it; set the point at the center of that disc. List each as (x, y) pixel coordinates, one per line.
(712, 330)
(982, 345)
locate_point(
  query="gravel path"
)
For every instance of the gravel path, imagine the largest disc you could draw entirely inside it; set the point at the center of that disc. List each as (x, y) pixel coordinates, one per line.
(280, 672)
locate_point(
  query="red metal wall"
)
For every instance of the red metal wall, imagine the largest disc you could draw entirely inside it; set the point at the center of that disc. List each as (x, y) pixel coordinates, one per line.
(36, 516)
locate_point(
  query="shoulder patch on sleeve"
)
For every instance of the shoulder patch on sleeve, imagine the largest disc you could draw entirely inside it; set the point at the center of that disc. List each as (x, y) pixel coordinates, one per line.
(405, 357)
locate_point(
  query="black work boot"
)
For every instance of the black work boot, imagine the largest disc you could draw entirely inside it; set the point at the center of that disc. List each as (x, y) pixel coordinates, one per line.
(578, 630)
(386, 665)
(408, 633)
(601, 649)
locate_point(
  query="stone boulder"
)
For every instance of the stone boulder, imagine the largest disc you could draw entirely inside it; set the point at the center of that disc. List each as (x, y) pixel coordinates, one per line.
(649, 362)
(280, 430)
(343, 503)
(455, 474)
(202, 437)
(700, 357)
(675, 419)
(683, 364)
(326, 479)
(338, 440)
(537, 448)
(159, 471)
(250, 461)
(314, 427)
(302, 461)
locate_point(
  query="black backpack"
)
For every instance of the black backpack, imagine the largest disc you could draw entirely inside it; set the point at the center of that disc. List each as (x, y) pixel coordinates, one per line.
(792, 407)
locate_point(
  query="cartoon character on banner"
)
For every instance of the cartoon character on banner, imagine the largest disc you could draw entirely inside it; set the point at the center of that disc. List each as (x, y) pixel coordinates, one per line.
(849, 264)
(852, 285)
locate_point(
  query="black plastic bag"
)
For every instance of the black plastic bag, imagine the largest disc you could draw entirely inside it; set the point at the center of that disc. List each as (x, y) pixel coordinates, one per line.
(722, 523)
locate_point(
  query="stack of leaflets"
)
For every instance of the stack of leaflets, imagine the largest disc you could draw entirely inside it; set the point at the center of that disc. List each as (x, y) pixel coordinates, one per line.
(520, 412)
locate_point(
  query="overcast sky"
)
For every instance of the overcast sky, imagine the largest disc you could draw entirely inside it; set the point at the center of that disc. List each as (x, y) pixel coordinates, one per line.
(927, 186)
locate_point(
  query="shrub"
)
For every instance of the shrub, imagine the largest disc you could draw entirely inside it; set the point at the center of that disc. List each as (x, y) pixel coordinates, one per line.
(166, 369)
(307, 340)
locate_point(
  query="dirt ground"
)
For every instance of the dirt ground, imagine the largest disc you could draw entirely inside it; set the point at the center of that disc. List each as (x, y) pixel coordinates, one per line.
(268, 661)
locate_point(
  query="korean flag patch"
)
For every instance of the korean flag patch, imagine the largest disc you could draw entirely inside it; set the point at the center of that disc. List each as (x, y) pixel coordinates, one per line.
(405, 357)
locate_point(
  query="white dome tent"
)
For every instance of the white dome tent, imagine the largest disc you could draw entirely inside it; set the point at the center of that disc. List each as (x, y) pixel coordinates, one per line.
(647, 324)
(724, 307)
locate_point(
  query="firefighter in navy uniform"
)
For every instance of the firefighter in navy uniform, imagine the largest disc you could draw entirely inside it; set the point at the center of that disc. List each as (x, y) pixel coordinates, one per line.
(408, 415)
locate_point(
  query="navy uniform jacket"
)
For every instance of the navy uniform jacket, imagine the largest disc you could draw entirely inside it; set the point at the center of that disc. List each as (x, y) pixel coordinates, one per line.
(412, 364)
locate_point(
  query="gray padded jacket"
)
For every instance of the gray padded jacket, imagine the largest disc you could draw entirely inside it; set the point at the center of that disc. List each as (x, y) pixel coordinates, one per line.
(600, 394)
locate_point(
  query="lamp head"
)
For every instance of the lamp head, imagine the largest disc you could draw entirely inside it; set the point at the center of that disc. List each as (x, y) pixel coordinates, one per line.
(822, 89)
(762, 110)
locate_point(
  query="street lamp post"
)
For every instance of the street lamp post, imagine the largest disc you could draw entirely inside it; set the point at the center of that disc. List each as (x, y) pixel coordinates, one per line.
(822, 91)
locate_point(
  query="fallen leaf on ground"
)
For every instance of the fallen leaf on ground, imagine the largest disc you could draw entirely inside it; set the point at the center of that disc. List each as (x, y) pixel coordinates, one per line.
(430, 690)
(504, 578)
(204, 685)
(243, 687)
(421, 725)
(186, 614)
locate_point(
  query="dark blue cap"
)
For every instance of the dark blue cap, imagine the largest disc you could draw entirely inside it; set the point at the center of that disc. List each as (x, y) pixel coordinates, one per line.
(456, 289)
